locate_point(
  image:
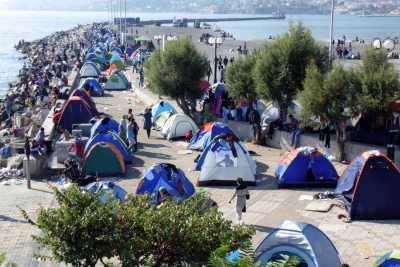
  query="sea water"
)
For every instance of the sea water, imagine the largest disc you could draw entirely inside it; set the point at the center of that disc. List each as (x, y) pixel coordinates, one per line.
(32, 25)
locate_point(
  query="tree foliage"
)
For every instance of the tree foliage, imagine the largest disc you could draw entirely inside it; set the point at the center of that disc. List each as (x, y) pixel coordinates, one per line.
(82, 231)
(240, 79)
(332, 98)
(176, 72)
(281, 67)
(379, 81)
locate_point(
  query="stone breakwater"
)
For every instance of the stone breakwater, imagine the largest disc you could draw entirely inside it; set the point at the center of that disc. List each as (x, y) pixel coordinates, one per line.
(47, 74)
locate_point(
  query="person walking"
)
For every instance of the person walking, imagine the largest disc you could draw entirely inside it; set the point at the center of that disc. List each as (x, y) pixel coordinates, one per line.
(209, 72)
(242, 195)
(225, 61)
(141, 77)
(123, 124)
(147, 121)
(130, 136)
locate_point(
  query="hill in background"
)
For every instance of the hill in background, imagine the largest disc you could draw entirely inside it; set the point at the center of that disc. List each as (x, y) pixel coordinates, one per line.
(216, 6)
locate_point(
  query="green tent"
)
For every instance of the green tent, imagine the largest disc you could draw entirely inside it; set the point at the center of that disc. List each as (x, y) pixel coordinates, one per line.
(123, 77)
(104, 159)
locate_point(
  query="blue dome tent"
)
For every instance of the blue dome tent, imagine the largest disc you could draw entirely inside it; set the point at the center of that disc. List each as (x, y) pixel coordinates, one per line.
(207, 133)
(104, 125)
(306, 167)
(93, 85)
(109, 137)
(369, 188)
(90, 57)
(390, 259)
(108, 190)
(169, 177)
(160, 108)
(130, 51)
(117, 50)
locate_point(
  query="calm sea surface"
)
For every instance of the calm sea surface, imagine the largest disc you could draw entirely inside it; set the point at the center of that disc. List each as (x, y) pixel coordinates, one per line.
(31, 25)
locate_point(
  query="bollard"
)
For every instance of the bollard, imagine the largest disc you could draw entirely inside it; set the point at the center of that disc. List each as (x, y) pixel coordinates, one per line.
(28, 174)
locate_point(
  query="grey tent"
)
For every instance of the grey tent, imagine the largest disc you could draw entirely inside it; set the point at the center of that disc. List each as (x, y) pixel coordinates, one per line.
(123, 77)
(116, 82)
(302, 240)
(89, 69)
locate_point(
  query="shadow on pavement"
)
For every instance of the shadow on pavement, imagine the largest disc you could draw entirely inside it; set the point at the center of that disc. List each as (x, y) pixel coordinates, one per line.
(5, 218)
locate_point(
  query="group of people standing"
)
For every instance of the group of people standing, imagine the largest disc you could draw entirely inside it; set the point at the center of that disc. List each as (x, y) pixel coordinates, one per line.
(222, 64)
(128, 128)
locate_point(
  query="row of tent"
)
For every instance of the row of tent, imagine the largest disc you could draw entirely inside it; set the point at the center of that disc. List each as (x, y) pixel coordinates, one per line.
(224, 158)
(368, 187)
(98, 59)
(115, 81)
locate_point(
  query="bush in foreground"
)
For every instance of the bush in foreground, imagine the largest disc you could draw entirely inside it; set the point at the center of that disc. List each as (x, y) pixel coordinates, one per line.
(82, 231)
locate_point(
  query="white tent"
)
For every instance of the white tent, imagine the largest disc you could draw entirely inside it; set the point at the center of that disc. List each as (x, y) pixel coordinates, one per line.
(89, 69)
(224, 161)
(161, 120)
(302, 240)
(177, 126)
(115, 82)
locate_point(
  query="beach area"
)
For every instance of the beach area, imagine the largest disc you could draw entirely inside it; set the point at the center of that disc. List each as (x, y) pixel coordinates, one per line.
(54, 62)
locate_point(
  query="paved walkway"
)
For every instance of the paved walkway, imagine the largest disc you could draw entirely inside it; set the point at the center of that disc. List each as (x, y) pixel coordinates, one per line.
(359, 243)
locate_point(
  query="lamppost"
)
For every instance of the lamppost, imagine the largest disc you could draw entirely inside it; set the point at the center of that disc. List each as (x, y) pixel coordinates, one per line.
(331, 33)
(215, 41)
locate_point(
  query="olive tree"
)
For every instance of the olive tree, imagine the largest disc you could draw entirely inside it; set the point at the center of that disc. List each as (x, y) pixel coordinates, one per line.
(239, 78)
(379, 81)
(332, 98)
(176, 72)
(281, 66)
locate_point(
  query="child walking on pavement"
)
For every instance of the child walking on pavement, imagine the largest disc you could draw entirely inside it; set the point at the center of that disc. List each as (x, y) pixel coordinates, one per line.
(241, 194)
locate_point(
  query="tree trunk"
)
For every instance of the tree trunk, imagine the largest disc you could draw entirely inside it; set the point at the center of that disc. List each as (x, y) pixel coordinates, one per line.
(283, 111)
(341, 140)
(182, 104)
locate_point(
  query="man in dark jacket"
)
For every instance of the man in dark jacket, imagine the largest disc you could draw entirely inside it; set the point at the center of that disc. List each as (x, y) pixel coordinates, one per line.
(255, 121)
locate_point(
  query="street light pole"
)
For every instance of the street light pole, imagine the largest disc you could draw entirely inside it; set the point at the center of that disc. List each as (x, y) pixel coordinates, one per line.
(331, 32)
(215, 60)
(125, 27)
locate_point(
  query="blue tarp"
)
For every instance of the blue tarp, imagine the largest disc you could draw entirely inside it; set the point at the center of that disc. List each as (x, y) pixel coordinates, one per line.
(109, 137)
(169, 177)
(107, 190)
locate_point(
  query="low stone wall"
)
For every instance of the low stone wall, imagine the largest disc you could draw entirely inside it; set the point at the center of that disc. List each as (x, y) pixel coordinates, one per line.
(282, 140)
